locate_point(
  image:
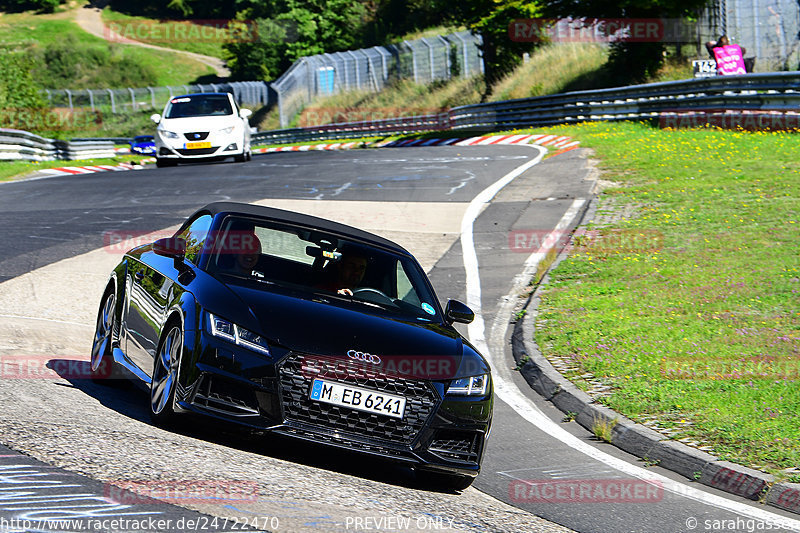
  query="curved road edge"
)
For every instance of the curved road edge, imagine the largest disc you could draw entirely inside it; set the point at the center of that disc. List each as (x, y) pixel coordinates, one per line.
(629, 436)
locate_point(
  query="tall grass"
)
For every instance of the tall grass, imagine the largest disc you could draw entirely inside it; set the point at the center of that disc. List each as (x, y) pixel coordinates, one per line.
(551, 69)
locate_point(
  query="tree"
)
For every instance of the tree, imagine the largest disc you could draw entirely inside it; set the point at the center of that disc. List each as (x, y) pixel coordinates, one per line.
(291, 29)
(491, 19)
(628, 60)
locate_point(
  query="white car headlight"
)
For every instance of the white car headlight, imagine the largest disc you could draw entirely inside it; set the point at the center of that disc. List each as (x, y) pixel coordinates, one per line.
(219, 327)
(471, 386)
(228, 130)
(168, 134)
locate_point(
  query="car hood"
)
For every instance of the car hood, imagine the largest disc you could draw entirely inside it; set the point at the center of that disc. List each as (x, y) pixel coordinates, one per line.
(343, 330)
(187, 124)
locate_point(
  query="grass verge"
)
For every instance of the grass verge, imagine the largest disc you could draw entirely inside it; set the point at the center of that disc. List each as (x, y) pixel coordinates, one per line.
(689, 307)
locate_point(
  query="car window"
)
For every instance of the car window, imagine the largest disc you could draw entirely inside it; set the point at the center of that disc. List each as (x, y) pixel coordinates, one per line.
(205, 105)
(273, 255)
(195, 235)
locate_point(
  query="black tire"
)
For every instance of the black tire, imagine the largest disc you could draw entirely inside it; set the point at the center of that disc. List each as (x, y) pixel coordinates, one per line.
(101, 365)
(240, 158)
(166, 369)
(442, 480)
(249, 155)
(161, 163)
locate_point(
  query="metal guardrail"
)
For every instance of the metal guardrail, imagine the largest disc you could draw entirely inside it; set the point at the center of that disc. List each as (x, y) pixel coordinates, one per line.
(343, 130)
(22, 145)
(775, 94)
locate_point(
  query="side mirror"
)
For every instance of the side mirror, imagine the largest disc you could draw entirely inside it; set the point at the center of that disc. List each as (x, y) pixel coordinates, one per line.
(155, 117)
(458, 312)
(245, 113)
(174, 247)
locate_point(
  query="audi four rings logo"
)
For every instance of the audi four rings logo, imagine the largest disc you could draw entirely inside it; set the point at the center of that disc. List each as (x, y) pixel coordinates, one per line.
(364, 356)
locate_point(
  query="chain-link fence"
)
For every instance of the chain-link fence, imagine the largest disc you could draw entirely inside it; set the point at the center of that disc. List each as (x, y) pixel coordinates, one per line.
(767, 29)
(423, 60)
(246, 93)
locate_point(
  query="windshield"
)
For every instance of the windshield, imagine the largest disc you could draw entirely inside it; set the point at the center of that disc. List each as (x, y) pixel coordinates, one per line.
(205, 105)
(251, 252)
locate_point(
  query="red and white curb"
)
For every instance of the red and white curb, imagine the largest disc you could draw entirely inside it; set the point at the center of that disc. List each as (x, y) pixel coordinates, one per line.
(63, 171)
(307, 147)
(562, 143)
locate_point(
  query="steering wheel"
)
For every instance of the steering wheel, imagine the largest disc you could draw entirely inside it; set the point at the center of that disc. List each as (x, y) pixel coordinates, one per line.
(373, 295)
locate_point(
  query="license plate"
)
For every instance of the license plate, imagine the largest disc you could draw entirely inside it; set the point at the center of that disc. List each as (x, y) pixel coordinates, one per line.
(191, 146)
(357, 398)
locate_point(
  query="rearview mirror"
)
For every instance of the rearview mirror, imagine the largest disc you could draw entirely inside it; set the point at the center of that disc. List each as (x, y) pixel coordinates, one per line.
(458, 312)
(155, 117)
(174, 247)
(245, 113)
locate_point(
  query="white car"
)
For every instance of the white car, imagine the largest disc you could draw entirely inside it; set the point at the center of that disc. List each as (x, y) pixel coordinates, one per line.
(202, 126)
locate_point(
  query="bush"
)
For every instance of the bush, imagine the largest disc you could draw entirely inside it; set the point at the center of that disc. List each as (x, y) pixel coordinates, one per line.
(43, 6)
(74, 65)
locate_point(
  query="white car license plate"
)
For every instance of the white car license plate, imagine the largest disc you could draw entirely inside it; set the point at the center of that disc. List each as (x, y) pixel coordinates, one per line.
(357, 398)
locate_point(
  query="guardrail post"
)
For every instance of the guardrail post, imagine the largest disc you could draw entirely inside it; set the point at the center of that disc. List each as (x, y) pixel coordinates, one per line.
(464, 56)
(430, 56)
(69, 98)
(91, 98)
(170, 92)
(152, 96)
(49, 96)
(383, 54)
(133, 99)
(446, 56)
(413, 60)
(355, 68)
(111, 94)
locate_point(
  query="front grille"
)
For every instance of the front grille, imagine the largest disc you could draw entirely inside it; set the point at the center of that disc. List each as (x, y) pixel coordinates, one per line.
(456, 445)
(196, 151)
(196, 135)
(299, 370)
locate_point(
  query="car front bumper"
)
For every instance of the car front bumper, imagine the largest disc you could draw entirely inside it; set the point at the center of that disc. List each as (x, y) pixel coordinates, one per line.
(437, 432)
(215, 144)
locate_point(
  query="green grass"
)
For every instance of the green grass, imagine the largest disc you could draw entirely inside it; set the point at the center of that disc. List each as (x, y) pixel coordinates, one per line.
(27, 29)
(178, 35)
(10, 170)
(689, 309)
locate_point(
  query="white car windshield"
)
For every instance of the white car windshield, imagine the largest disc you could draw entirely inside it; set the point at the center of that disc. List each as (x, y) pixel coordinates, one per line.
(199, 106)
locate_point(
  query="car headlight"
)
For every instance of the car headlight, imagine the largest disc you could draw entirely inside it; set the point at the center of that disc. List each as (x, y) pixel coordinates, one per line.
(228, 130)
(231, 332)
(471, 386)
(168, 134)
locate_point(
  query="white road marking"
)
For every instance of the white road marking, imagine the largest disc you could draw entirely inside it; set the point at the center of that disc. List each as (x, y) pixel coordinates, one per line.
(508, 392)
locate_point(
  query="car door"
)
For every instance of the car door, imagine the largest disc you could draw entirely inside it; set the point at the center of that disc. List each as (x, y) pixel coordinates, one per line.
(152, 291)
(146, 309)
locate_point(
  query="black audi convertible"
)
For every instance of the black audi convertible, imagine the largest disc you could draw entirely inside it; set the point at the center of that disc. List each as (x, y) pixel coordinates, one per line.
(297, 325)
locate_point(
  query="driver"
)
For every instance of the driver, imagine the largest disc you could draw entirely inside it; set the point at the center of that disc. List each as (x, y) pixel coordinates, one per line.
(346, 274)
